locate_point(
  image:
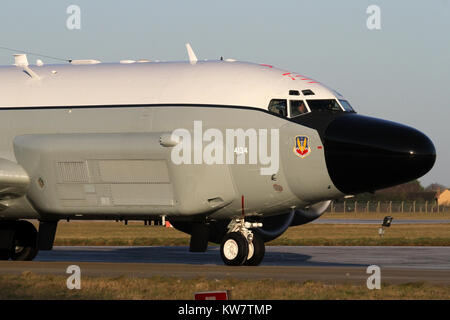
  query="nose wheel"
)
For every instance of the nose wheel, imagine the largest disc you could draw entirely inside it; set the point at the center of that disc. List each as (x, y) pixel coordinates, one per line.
(240, 246)
(234, 249)
(257, 250)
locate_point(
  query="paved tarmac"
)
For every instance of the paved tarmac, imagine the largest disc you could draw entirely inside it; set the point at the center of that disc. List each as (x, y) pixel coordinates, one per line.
(404, 257)
(379, 221)
(294, 263)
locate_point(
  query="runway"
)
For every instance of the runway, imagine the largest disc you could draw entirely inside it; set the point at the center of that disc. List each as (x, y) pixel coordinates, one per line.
(294, 263)
(404, 257)
(379, 221)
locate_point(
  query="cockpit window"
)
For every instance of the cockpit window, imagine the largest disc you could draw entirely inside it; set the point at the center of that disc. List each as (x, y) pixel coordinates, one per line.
(321, 105)
(347, 107)
(308, 92)
(278, 106)
(297, 108)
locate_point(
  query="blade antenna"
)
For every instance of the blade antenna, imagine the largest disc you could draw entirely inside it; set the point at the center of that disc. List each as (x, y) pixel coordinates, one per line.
(192, 57)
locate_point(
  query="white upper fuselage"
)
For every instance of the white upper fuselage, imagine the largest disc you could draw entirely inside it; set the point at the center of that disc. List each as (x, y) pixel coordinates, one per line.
(116, 107)
(210, 82)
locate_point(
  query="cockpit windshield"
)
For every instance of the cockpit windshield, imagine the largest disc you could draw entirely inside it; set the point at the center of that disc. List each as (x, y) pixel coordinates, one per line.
(347, 107)
(321, 105)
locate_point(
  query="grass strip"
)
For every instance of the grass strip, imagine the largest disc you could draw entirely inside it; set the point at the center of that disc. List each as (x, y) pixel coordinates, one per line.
(32, 286)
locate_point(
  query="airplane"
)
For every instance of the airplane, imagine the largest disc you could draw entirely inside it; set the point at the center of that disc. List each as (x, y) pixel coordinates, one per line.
(88, 140)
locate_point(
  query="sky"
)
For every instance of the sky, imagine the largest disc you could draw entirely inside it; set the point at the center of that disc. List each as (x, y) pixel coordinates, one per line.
(400, 72)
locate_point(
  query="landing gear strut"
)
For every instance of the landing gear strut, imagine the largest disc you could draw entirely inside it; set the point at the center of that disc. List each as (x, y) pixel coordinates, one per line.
(240, 246)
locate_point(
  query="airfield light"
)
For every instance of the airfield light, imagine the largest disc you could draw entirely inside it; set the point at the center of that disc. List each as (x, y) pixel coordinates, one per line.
(386, 223)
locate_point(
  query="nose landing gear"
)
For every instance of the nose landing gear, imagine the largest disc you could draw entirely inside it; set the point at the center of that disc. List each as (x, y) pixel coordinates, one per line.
(241, 246)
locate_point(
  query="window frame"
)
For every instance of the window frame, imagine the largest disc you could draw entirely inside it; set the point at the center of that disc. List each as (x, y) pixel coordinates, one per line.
(308, 110)
(287, 107)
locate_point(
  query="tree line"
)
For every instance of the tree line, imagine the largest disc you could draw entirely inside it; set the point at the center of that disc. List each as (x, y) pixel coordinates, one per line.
(410, 191)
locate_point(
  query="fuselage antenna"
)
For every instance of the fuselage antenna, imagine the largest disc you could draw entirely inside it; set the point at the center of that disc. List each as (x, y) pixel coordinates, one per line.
(192, 57)
(36, 54)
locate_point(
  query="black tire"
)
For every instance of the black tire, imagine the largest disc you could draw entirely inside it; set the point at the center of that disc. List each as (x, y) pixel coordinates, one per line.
(199, 238)
(8, 230)
(25, 241)
(234, 249)
(5, 254)
(259, 249)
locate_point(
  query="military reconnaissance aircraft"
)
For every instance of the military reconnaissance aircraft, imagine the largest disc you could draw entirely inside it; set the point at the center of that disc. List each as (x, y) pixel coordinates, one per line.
(138, 140)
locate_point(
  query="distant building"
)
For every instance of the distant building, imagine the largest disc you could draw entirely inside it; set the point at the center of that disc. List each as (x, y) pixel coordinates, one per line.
(436, 187)
(443, 198)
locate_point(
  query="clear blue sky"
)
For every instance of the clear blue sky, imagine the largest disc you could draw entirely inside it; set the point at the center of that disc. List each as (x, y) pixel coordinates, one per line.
(400, 73)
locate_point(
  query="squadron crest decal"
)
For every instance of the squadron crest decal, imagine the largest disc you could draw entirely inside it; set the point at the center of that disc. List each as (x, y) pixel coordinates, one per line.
(302, 147)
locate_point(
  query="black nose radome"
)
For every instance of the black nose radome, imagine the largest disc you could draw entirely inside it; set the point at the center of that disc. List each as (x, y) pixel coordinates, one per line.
(364, 154)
